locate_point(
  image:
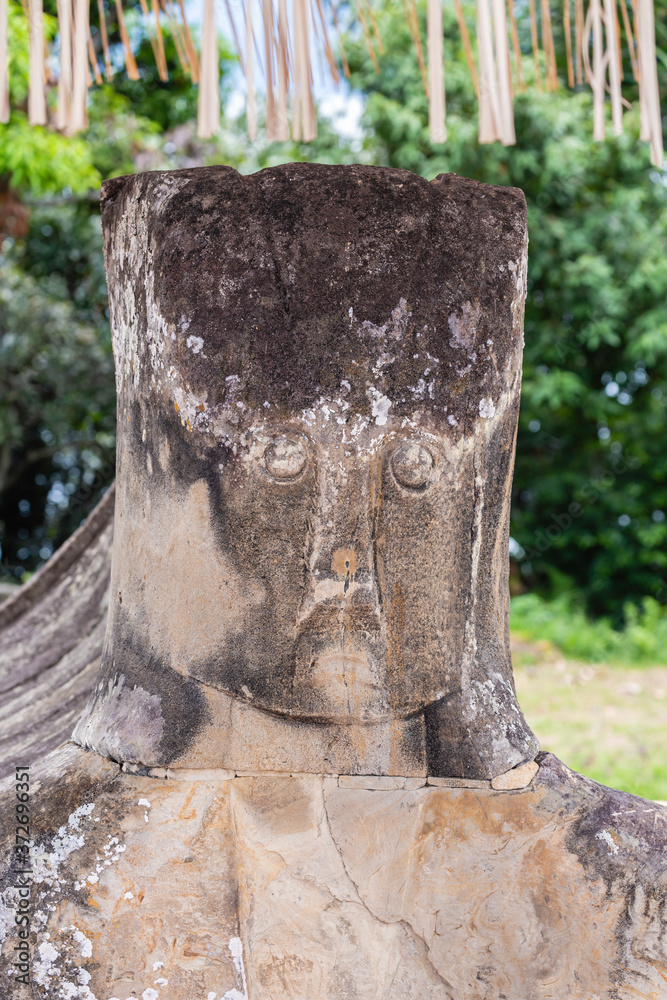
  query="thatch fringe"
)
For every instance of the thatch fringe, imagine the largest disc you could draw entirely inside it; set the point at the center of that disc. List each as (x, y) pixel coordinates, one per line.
(649, 95)
(78, 110)
(304, 126)
(592, 41)
(65, 20)
(436, 71)
(130, 62)
(36, 84)
(4, 62)
(208, 117)
(496, 115)
(251, 109)
(108, 69)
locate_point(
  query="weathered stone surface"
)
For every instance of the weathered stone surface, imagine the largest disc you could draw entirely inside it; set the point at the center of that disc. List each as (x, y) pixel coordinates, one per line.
(51, 635)
(333, 892)
(518, 777)
(318, 375)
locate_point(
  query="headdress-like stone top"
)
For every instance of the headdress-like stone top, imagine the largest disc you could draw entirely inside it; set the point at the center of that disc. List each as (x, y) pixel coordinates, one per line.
(318, 373)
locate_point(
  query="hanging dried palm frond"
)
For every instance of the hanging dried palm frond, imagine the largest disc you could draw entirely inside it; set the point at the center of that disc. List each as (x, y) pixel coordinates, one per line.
(189, 45)
(304, 126)
(282, 124)
(467, 47)
(505, 107)
(149, 31)
(579, 40)
(551, 72)
(567, 30)
(535, 44)
(269, 46)
(376, 30)
(343, 57)
(251, 110)
(614, 61)
(436, 72)
(130, 62)
(489, 115)
(594, 72)
(297, 32)
(410, 8)
(630, 39)
(496, 115)
(36, 88)
(367, 36)
(4, 62)
(237, 43)
(649, 95)
(161, 57)
(208, 121)
(78, 113)
(333, 67)
(108, 70)
(65, 21)
(93, 61)
(177, 36)
(518, 68)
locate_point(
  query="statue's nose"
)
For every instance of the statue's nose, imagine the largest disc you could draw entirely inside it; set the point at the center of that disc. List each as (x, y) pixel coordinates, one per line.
(344, 565)
(341, 561)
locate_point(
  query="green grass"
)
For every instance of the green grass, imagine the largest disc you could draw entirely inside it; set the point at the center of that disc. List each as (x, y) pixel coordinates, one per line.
(596, 696)
(605, 721)
(643, 640)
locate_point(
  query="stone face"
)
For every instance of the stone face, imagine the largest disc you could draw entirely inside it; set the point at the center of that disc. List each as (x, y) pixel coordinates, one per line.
(327, 890)
(318, 376)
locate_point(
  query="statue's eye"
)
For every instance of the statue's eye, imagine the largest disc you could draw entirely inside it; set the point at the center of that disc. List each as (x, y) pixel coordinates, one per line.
(285, 458)
(412, 465)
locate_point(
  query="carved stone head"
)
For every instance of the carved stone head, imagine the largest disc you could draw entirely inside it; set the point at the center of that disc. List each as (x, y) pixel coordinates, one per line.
(318, 374)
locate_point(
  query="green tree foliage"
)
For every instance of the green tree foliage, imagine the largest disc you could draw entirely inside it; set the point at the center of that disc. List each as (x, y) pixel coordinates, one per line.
(57, 427)
(561, 622)
(38, 160)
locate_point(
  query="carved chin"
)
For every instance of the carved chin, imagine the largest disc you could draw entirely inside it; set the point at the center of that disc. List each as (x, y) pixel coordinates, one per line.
(344, 681)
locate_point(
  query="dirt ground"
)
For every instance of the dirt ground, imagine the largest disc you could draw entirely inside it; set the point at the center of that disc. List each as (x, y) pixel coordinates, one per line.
(608, 722)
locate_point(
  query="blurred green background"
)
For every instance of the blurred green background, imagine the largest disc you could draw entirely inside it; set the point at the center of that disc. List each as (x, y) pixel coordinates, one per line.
(589, 527)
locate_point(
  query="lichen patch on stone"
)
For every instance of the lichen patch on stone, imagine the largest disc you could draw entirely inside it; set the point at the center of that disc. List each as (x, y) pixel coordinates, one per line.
(487, 408)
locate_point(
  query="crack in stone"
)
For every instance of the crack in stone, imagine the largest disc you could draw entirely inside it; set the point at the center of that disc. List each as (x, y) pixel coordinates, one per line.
(241, 897)
(406, 925)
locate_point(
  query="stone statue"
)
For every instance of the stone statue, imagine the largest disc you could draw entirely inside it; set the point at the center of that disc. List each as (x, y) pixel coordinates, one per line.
(303, 772)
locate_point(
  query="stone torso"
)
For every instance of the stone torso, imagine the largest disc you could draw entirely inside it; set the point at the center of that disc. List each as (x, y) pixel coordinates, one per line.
(209, 886)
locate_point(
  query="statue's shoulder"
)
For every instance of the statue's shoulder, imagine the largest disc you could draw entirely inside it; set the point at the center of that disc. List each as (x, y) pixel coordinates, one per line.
(617, 837)
(556, 888)
(109, 849)
(44, 795)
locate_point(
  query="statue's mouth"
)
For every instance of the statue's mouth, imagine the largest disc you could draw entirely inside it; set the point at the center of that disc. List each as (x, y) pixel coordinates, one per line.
(349, 682)
(337, 660)
(340, 617)
(339, 666)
